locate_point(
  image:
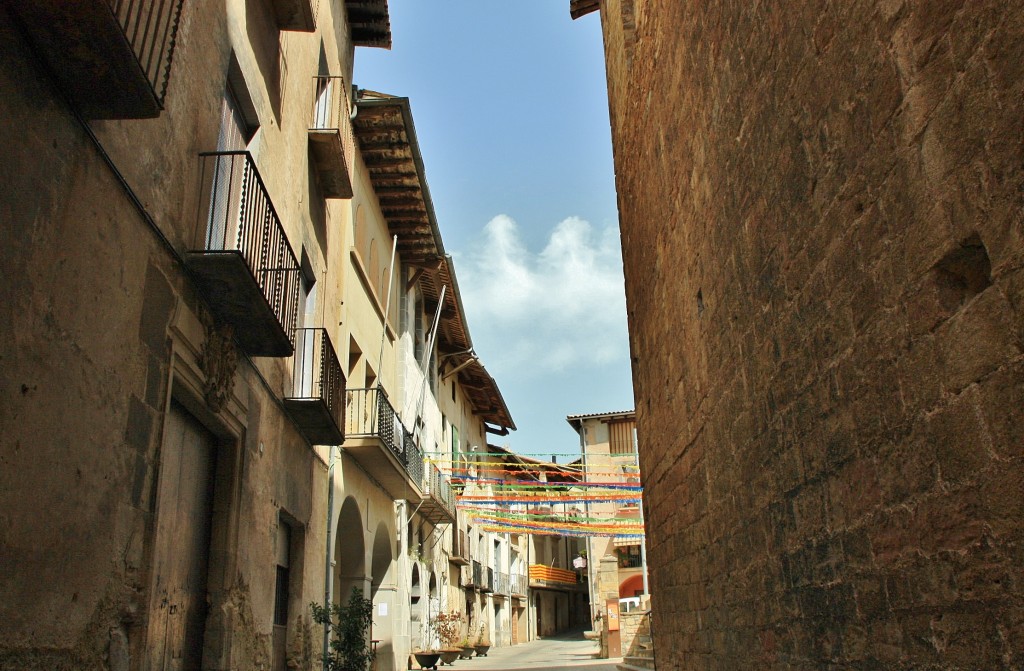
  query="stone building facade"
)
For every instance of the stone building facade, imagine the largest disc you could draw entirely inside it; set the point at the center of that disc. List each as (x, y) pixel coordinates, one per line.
(608, 446)
(823, 239)
(215, 410)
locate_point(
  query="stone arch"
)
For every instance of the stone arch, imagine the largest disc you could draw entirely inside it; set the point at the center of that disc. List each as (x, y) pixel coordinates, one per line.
(383, 593)
(433, 605)
(630, 585)
(415, 606)
(349, 551)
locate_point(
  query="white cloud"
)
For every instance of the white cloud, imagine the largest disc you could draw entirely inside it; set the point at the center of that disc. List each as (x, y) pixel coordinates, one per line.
(562, 307)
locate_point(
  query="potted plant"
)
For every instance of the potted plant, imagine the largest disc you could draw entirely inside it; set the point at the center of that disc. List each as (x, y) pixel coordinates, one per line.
(447, 627)
(427, 659)
(350, 625)
(467, 647)
(483, 643)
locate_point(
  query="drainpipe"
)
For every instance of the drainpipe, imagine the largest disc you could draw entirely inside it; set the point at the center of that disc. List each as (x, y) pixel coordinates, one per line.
(643, 540)
(508, 568)
(328, 583)
(529, 590)
(589, 539)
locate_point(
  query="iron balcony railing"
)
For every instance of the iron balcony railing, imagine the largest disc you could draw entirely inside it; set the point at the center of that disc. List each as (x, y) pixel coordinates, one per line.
(630, 561)
(151, 27)
(440, 488)
(501, 583)
(370, 414)
(488, 576)
(478, 575)
(240, 216)
(331, 136)
(112, 58)
(412, 457)
(518, 584)
(331, 107)
(550, 574)
(317, 375)
(459, 546)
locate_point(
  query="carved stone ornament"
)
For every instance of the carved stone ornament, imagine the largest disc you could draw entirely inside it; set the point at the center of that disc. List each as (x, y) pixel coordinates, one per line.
(219, 361)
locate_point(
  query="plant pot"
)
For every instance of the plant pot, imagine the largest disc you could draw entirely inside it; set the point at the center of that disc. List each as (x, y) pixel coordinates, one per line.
(449, 655)
(481, 649)
(467, 652)
(427, 660)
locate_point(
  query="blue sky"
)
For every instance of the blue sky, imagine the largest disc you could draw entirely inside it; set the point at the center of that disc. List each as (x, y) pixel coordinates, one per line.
(511, 114)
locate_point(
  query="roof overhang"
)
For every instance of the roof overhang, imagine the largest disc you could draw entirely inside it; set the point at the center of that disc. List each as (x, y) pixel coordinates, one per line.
(370, 23)
(387, 142)
(578, 8)
(576, 421)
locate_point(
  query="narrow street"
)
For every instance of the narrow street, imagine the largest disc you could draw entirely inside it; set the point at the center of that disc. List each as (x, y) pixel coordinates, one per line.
(568, 650)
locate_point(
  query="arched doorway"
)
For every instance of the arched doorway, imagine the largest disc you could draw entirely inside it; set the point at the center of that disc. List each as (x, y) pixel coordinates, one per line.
(630, 586)
(382, 593)
(433, 608)
(415, 609)
(349, 552)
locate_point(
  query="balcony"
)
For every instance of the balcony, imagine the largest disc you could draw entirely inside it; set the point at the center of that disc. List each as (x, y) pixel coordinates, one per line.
(247, 269)
(487, 575)
(517, 585)
(111, 57)
(478, 576)
(466, 578)
(317, 403)
(330, 136)
(549, 576)
(460, 550)
(438, 503)
(298, 15)
(501, 584)
(377, 440)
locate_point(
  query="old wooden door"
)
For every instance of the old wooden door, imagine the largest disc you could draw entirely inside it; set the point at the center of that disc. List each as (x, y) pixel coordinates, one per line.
(181, 549)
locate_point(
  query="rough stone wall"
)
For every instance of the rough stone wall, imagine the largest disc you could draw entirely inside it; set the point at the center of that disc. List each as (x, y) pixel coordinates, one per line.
(821, 208)
(99, 321)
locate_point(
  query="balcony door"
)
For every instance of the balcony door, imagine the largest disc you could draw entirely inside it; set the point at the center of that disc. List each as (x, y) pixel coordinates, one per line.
(307, 369)
(322, 108)
(229, 175)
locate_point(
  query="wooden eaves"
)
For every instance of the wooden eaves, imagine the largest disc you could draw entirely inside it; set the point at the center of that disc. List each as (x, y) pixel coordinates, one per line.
(387, 141)
(578, 8)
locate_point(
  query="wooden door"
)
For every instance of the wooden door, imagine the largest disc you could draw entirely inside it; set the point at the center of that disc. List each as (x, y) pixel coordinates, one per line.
(181, 546)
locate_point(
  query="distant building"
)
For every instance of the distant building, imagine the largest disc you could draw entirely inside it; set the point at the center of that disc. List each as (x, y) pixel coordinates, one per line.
(609, 456)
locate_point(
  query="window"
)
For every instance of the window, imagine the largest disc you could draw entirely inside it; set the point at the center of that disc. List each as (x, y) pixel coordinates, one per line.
(284, 541)
(620, 437)
(455, 446)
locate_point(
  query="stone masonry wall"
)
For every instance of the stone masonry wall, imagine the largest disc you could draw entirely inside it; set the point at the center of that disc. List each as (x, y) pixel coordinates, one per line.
(823, 234)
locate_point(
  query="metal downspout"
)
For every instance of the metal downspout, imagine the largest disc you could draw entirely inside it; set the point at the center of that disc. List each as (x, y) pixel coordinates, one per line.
(328, 583)
(589, 539)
